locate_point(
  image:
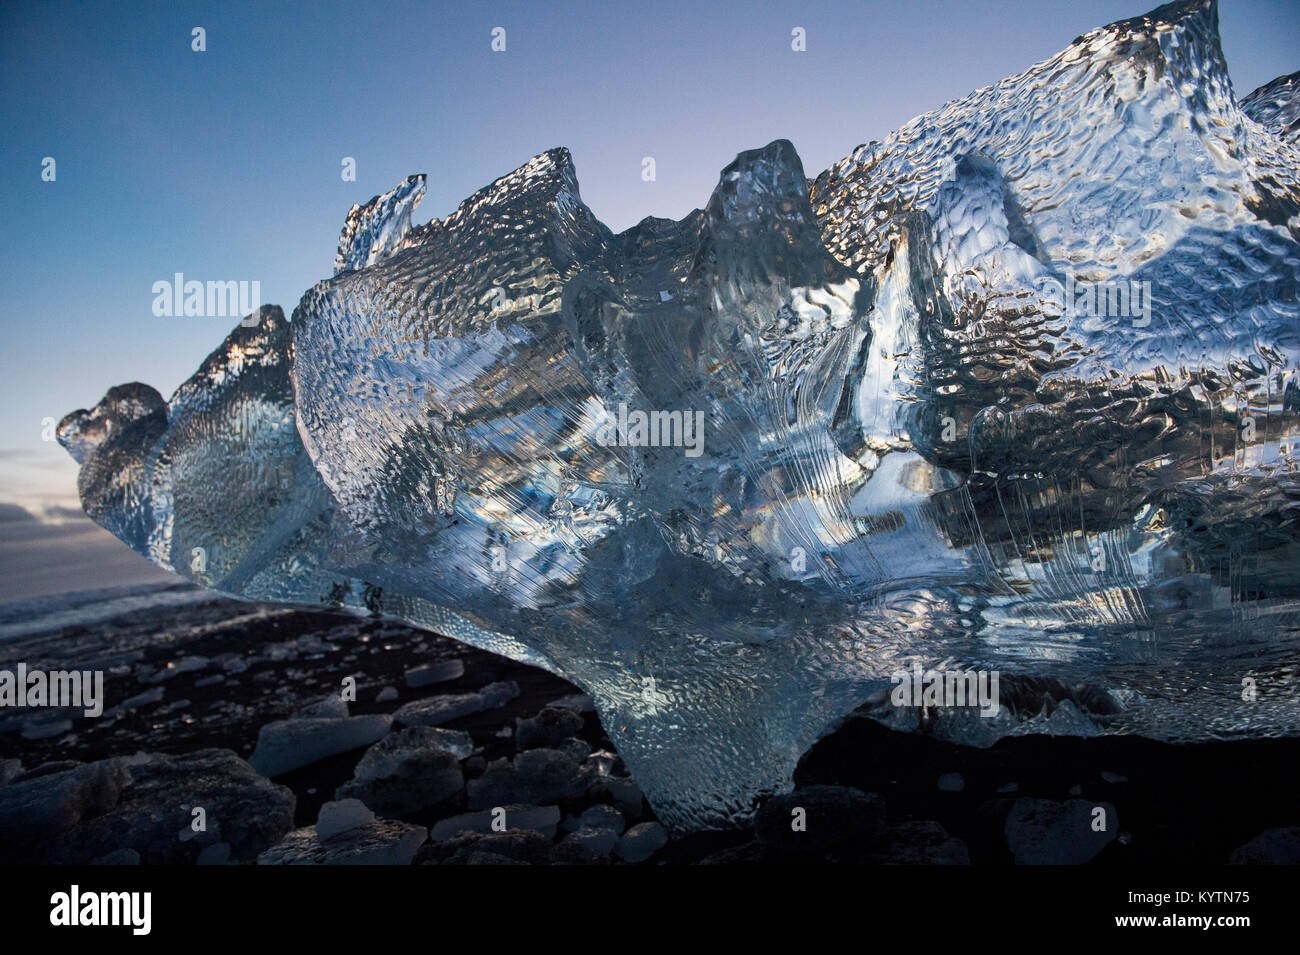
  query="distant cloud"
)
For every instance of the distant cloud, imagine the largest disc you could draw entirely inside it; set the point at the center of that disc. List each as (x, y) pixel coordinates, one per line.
(13, 513)
(40, 480)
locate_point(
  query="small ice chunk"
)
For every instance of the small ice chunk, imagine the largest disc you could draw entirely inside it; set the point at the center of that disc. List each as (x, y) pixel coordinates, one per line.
(432, 673)
(332, 706)
(342, 816)
(286, 745)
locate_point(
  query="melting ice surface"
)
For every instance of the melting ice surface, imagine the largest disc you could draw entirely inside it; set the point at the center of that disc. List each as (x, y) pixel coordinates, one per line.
(917, 448)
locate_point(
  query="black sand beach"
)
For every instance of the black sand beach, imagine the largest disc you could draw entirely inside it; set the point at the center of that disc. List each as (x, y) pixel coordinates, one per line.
(443, 739)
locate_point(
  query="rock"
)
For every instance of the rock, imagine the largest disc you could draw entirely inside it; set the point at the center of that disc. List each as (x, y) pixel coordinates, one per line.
(342, 816)
(602, 817)
(535, 776)
(575, 747)
(432, 673)
(499, 694)
(749, 853)
(1270, 847)
(287, 745)
(216, 854)
(600, 842)
(626, 796)
(491, 848)
(387, 695)
(991, 816)
(35, 810)
(572, 853)
(409, 770)
(118, 857)
(330, 707)
(547, 729)
(831, 815)
(484, 858)
(952, 782)
(542, 819)
(1043, 832)
(10, 769)
(154, 813)
(1113, 777)
(923, 843)
(382, 842)
(641, 842)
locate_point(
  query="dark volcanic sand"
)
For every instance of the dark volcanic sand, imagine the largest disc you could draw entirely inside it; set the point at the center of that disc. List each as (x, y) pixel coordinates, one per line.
(1181, 804)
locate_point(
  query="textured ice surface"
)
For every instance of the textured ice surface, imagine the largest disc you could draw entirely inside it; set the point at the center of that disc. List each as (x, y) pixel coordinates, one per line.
(1277, 104)
(915, 447)
(378, 228)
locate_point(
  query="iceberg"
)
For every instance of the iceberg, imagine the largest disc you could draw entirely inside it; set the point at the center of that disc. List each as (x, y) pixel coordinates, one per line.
(1012, 390)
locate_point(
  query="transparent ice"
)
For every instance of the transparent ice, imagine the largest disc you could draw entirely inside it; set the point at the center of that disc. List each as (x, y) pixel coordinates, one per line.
(914, 451)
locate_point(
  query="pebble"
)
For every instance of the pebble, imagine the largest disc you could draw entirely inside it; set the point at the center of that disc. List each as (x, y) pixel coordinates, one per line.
(548, 729)
(382, 842)
(543, 819)
(409, 770)
(537, 776)
(641, 842)
(600, 841)
(952, 782)
(830, 815)
(1270, 847)
(1043, 832)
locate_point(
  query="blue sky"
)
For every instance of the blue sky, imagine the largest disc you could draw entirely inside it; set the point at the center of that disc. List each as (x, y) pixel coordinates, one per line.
(226, 164)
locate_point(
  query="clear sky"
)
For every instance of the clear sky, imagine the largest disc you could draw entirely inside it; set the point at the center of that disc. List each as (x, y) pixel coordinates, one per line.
(225, 164)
